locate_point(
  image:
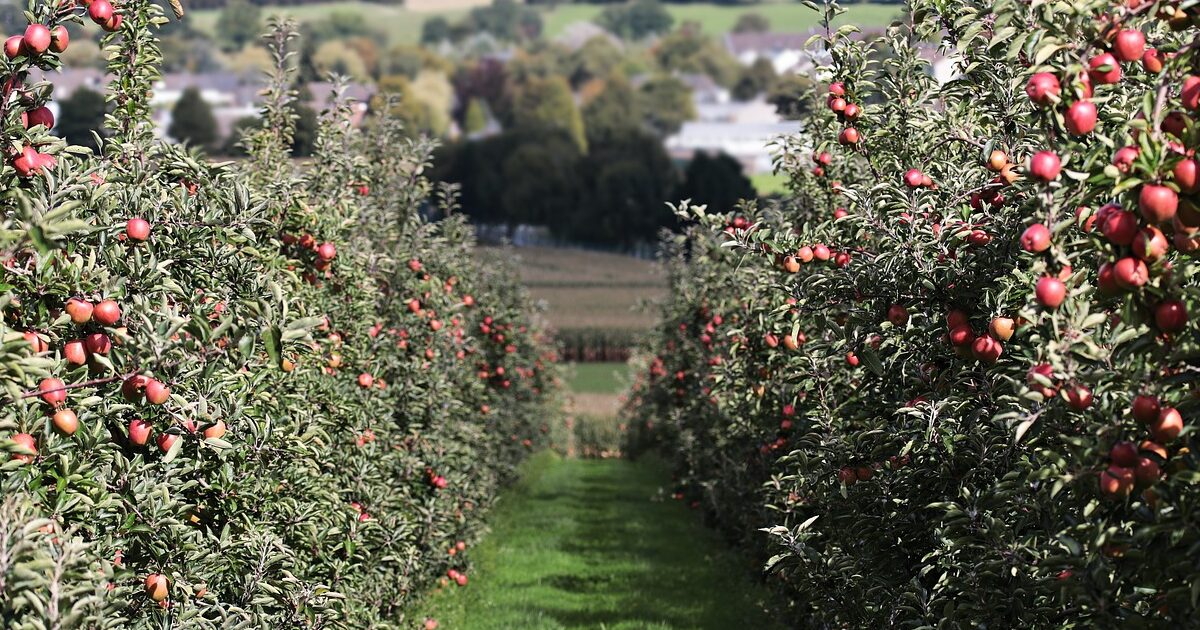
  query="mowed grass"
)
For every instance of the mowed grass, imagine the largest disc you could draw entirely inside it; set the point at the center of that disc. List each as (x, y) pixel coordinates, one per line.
(403, 26)
(598, 378)
(769, 183)
(599, 544)
(716, 19)
(585, 289)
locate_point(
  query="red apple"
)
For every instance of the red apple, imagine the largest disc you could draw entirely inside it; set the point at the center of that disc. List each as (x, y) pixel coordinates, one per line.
(59, 40)
(156, 584)
(37, 38)
(65, 421)
(107, 312)
(1045, 165)
(137, 229)
(39, 116)
(1152, 61)
(365, 380)
(897, 315)
(27, 442)
(1146, 472)
(1171, 316)
(1050, 291)
(1036, 238)
(1118, 226)
(52, 391)
(987, 349)
(166, 441)
(961, 336)
(326, 251)
(1190, 94)
(75, 352)
(1124, 454)
(100, 11)
(1043, 88)
(1116, 482)
(1124, 157)
(1080, 118)
(913, 178)
(849, 136)
(156, 392)
(847, 476)
(98, 343)
(1107, 280)
(1129, 44)
(1078, 396)
(1150, 244)
(139, 431)
(1104, 69)
(1130, 273)
(1002, 328)
(1167, 426)
(1187, 175)
(79, 310)
(1145, 408)
(1157, 203)
(14, 46)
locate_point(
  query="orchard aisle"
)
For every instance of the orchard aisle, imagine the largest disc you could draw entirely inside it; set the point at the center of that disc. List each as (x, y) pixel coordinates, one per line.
(598, 544)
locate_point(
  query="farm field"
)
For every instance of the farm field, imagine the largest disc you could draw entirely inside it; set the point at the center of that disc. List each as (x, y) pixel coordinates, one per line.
(600, 544)
(583, 289)
(403, 26)
(598, 378)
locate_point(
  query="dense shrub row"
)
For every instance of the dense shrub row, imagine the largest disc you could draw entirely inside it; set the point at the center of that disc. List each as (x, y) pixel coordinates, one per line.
(239, 395)
(951, 381)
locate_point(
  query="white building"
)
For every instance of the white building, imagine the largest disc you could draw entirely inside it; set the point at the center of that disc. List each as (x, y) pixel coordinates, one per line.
(746, 142)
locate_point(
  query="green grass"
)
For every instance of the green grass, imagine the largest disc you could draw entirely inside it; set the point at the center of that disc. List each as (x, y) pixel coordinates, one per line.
(598, 378)
(402, 26)
(599, 544)
(715, 19)
(769, 183)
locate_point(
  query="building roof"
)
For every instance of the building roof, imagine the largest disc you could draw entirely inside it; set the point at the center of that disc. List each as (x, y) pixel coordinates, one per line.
(764, 43)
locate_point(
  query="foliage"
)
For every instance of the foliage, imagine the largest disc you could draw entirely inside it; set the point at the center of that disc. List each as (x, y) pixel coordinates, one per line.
(637, 20)
(752, 23)
(757, 78)
(689, 51)
(192, 120)
(315, 442)
(715, 181)
(81, 115)
(943, 370)
(548, 103)
(665, 103)
(240, 24)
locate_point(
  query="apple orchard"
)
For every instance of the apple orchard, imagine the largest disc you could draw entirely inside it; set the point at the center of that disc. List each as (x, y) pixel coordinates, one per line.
(240, 395)
(951, 380)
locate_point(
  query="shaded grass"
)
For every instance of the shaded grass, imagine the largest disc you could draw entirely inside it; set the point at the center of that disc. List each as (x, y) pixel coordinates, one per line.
(769, 183)
(595, 544)
(598, 378)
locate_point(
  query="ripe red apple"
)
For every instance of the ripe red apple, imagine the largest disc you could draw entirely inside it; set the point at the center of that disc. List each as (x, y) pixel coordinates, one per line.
(139, 431)
(1045, 165)
(1146, 472)
(852, 359)
(1036, 238)
(961, 336)
(131, 388)
(98, 343)
(1116, 482)
(1157, 203)
(1171, 316)
(1124, 157)
(326, 251)
(1153, 449)
(1050, 292)
(1037, 372)
(1043, 88)
(107, 312)
(1145, 408)
(137, 229)
(1152, 61)
(1130, 273)
(79, 310)
(1190, 94)
(913, 178)
(59, 39)
(837, 89)
(1187, 175)
(37, 38)
(987, 349)
(52, 391)
(1107, 280)
(14, 46)
(1104, 69)
(365, 380)
(956, 318)
(27, 442)
(847, 476)
(166, 441)
(1117, 225)
(100, 11)
(1080, 118)
(852, 111)
(897, 315)
(1002, 328)
(1124, 454)
(821, 252)
(1167, 426)
(1150, 244)
(65, 421)
(156, 392)
(848, 136)
(75, 352)
(39, 116)
(1078, 396)
(837, 104)
(1129, 44)
(156, 584)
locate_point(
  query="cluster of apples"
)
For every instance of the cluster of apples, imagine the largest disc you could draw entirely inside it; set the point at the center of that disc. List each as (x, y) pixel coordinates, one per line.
(851, 475)
(846, 110)
(985, 348)
(324, 252)
(1139, 466)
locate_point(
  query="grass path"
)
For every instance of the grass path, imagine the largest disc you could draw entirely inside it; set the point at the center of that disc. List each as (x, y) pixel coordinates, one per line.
(599, 544)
